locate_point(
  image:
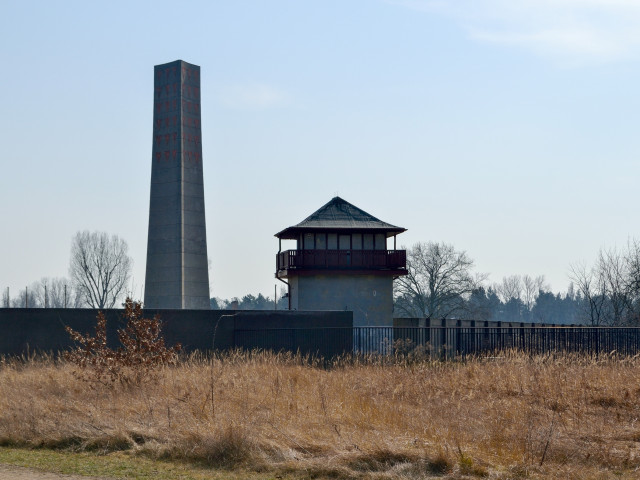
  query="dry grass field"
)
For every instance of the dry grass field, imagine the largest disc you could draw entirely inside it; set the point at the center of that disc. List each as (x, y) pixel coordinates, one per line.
(508, 416)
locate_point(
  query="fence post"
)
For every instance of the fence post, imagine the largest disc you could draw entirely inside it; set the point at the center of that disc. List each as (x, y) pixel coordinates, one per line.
(443, 339)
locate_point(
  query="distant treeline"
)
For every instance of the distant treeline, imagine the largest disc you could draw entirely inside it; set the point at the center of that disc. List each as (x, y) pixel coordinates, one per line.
(486, 304)
(441, 283)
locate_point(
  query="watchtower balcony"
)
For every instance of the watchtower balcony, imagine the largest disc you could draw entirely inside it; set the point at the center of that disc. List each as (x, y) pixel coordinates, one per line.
(392, 262)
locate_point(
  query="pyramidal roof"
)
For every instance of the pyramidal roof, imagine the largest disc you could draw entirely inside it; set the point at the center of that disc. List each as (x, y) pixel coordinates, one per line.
(338, 214)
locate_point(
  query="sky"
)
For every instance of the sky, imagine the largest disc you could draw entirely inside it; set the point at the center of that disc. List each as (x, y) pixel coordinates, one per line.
(507, 128)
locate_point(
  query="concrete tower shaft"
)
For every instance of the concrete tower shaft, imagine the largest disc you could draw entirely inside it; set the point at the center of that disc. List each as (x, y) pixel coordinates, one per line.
(177, 269)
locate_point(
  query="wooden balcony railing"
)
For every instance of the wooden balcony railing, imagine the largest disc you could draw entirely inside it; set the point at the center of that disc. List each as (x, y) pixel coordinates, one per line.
(342, 260)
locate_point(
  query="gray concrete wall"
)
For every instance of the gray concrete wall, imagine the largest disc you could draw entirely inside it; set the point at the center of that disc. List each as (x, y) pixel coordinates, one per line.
(370, 297)
(177, 274)
(39, 329)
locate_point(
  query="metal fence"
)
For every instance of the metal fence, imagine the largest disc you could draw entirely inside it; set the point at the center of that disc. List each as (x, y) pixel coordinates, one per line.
(443, 342)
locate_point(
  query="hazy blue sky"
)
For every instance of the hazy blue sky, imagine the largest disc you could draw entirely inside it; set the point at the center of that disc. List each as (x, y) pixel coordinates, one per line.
(508, 128)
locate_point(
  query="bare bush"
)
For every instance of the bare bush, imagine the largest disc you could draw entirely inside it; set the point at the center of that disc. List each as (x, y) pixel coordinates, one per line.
(143, 349)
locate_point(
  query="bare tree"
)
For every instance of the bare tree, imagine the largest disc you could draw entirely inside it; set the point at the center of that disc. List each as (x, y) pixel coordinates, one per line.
(46, 293)
(531, 288)
(438, 283)
(633, 271)
(57, 293)
(100, 268)
(510, 289)
(64, 294)
(611, 265)
(591, 286)
(611, 288)
(26, 298)
(518, 294)
(41, 291)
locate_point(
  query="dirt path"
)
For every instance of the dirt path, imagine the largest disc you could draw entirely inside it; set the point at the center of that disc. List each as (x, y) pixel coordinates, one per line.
(11, 472)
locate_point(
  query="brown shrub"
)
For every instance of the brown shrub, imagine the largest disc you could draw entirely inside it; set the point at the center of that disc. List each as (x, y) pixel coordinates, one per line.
(142, 351)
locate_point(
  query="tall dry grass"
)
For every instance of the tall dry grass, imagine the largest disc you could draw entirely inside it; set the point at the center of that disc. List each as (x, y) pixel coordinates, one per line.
(505, 417)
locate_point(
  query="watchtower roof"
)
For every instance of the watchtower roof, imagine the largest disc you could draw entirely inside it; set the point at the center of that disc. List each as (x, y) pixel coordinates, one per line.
(340, 215)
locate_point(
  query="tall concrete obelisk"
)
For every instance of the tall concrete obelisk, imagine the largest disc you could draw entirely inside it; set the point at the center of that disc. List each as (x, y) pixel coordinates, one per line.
(177, 268)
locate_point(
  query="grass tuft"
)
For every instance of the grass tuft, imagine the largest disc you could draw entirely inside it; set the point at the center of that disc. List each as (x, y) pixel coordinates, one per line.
(440, 464)
(379, 461)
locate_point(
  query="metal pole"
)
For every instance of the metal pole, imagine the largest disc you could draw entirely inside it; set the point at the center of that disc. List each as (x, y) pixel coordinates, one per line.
(275, 297)
(65, 295)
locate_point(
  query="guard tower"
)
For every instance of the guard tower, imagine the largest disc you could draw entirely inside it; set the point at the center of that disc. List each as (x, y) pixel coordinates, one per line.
(342, 262)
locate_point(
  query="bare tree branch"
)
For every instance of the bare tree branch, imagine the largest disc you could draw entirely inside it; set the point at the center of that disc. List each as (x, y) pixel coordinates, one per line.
(611, 288)
(100, 267)
(438, 282)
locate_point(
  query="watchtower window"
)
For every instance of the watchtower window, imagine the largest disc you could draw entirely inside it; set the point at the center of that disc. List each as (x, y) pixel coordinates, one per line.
(368, 241)
(308, 241)
(332, 241)
(356, 241)
(345, 242)
(381, 241)
(321, 241)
